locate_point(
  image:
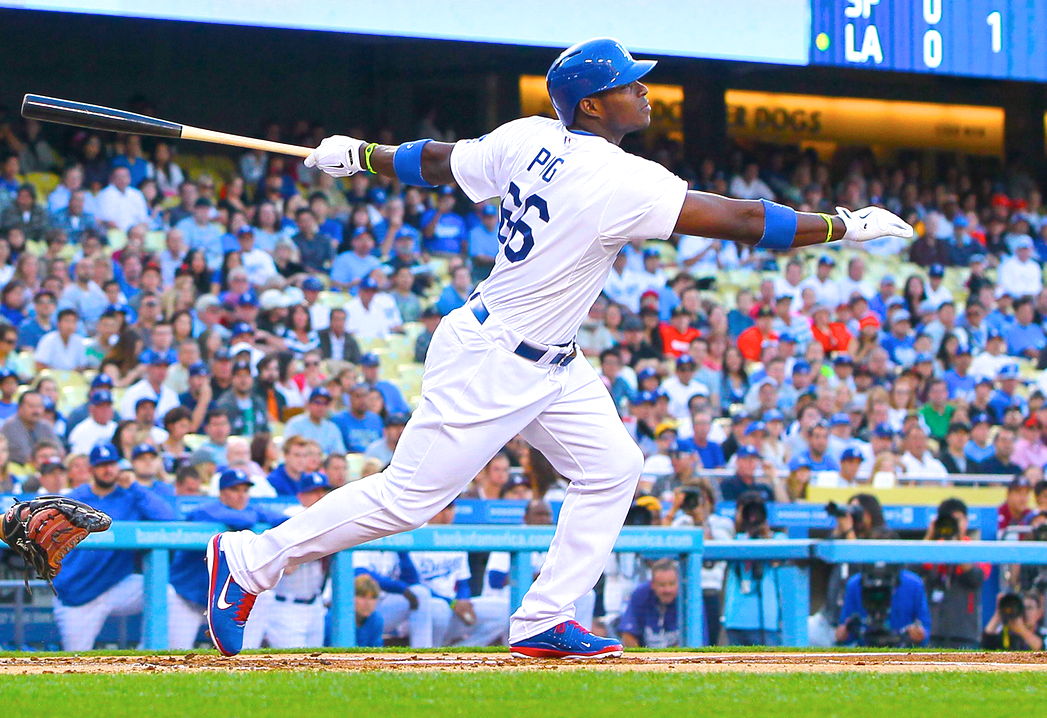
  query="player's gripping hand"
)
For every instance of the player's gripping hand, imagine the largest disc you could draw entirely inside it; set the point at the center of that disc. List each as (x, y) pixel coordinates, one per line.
(338, 156)
(872, 223)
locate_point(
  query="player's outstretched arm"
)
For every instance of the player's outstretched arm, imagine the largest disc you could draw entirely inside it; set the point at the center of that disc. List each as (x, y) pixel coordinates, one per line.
(768, 225)
(425, 160)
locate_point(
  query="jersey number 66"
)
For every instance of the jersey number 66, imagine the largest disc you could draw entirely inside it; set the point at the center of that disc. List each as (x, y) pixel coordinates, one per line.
(511, 205)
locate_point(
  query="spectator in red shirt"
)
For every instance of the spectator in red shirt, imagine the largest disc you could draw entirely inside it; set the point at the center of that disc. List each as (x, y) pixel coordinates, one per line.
(1015, 507)
(833, 336)
(677, 333)
(751, 340)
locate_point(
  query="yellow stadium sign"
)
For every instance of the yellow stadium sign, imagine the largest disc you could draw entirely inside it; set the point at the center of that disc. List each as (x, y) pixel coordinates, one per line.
(780, 118)
(666, 105)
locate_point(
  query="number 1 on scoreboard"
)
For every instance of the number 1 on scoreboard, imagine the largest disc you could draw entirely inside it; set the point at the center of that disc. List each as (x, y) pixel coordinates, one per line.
(995, 22)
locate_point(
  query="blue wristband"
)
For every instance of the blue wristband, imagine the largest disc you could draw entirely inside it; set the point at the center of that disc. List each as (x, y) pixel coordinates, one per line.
(779, 226)
(407, 162)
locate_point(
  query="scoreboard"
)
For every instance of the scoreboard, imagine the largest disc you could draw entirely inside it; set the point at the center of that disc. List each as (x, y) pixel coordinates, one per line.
(984, 38)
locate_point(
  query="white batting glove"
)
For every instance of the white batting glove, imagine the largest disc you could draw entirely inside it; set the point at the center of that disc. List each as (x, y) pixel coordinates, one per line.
(338, 156)
(872, 223)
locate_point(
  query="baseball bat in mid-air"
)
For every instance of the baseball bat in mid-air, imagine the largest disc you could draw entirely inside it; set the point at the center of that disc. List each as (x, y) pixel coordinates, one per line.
(95, 117)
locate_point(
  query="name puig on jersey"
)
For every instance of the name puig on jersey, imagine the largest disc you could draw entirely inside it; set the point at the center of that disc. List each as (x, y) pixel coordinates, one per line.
(547, 164)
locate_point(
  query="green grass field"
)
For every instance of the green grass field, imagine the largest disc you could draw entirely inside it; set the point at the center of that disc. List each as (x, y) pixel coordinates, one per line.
(529, 694)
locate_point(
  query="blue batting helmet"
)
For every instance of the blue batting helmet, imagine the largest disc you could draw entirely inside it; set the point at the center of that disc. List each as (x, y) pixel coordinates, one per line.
(590, 67)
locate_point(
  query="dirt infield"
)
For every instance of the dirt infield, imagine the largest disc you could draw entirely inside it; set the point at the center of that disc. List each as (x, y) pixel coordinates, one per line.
(676, 662)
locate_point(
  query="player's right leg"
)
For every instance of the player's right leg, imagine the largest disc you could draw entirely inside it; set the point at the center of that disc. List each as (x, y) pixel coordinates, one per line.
(585, 440)
(476, 397)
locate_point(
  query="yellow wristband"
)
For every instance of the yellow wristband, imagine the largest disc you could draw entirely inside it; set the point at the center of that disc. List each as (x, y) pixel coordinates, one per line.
(367, 157)
(828, 221)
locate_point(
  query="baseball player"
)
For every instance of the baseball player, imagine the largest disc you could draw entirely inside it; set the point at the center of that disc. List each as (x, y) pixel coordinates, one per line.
(185, 604)
(504, 364)
(403, 602)
(95, 584)
(296, 617)
(459, 619)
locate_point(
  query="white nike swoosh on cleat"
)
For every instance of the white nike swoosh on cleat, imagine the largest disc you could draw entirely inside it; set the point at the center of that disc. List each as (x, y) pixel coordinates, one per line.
(587, 645)
(222, 603)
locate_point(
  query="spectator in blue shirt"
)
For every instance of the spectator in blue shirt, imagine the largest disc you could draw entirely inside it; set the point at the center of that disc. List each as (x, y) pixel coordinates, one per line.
(483, 243)
(910, 615)
(1024, 337)
(33, 328)
(443, 229)
(817, 452)
(201, 233)
(321, 207)
(369, 623)
(1000, 318)
(744, 481)
(1006, 396)
(651, 620)
(710, 452)
(285, 477)
(958, 378)
(899, 342)
(95, 584)
(315, 247)
(73, 219)
(359, 426)
(352, 266)
(456, 293)
(188, 568)
(133, 159)
(394, 399)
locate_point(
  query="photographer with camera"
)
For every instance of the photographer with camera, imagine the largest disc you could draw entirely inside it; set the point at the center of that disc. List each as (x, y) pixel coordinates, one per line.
(860, 518)
(954, 590)
(752, 592)
(695, 506)
(884, 606)
(1017, 624)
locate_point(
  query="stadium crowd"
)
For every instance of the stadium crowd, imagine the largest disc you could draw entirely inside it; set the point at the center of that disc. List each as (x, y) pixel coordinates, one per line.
(183, 326)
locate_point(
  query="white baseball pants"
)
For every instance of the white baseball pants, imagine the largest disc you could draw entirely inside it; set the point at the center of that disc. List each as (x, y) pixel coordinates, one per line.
(490, 627)
(396, 611)
(296, 625)
(476, 396)
(79, 626)
(183, 621)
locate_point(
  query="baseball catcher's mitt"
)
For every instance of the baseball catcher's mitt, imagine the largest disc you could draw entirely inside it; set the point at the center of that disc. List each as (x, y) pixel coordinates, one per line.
(42, 531)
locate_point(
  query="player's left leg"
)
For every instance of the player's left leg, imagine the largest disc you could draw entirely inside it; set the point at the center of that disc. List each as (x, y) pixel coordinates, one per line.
(583, 437)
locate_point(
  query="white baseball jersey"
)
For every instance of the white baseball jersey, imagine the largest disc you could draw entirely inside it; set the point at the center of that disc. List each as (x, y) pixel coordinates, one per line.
(380, 563)
(570, 200)
(440, 571)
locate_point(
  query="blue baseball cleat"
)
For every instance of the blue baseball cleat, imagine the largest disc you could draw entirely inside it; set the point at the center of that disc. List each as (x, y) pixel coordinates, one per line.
(566, 640)
(228, 605)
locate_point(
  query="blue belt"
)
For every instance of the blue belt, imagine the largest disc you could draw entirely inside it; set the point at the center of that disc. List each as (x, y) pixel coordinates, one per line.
(531, 352)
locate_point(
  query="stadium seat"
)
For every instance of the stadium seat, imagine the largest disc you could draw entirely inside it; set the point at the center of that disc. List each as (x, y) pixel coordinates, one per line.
(44, 182)
(116, 238)
(155, 241)
(71, 397)
(370, 344)
(354, 462)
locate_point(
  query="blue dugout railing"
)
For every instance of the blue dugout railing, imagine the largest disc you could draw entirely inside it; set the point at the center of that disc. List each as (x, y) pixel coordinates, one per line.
(156, 540)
